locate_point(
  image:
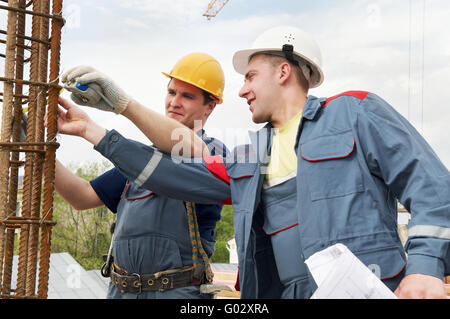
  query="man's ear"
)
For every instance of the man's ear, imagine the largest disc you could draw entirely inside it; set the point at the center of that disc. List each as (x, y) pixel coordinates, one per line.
(210, 107)
(284, 72)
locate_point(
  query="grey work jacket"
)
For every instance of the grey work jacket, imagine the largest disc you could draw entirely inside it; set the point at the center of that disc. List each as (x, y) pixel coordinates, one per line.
(356, 157)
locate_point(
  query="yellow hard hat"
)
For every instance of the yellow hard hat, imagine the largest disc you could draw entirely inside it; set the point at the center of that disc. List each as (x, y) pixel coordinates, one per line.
(200, 70)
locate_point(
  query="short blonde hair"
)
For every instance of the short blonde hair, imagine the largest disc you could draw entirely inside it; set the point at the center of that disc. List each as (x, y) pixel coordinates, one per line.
(275, 61)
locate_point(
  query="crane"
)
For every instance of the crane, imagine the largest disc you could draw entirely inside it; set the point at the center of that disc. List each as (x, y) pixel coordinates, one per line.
(214, 7)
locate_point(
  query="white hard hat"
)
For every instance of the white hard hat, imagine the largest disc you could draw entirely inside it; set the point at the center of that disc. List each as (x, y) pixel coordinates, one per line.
(289, 42)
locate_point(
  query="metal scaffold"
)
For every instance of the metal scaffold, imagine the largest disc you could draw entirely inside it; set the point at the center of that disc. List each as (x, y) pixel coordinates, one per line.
(30, 82)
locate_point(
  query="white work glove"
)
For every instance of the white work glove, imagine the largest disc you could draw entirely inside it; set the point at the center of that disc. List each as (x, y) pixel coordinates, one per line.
(102, 93)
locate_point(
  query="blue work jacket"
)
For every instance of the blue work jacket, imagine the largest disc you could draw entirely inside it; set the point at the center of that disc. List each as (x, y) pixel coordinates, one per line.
(356, 156)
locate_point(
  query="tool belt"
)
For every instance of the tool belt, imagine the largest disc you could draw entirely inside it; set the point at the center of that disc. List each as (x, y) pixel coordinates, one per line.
(160, 281)
(197, 274)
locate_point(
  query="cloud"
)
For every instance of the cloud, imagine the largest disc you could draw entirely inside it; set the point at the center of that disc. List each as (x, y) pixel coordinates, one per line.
(136, 24)
(174, 12)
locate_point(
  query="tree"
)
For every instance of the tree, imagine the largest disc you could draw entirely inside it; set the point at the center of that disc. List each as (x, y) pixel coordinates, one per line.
(224, 232)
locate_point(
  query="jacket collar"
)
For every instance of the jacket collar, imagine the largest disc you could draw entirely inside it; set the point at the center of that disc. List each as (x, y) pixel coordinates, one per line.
(312, 106)
(261, 140)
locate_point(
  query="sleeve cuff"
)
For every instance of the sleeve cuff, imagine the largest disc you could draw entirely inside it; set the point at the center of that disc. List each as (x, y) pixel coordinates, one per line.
(110, 136)
(426, 265)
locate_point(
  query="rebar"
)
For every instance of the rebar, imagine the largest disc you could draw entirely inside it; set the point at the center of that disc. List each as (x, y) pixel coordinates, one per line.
(6, 130)
(32, 216)
(50, 156)
(14, 174)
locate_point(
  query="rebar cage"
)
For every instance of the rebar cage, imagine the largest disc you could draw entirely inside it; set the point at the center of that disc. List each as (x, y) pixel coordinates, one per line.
(28, 90)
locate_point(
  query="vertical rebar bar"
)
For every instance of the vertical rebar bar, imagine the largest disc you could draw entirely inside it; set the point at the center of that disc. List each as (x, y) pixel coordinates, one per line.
(30, 159)
(8, 89)
(41, 99)
(14, 169)
(50, 155)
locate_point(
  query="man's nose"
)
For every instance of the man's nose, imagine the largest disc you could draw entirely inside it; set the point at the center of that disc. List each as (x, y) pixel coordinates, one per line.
(243, 91)
(175, 100)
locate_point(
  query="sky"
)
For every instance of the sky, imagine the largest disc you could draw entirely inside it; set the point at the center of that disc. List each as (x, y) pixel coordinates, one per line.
(398, 50)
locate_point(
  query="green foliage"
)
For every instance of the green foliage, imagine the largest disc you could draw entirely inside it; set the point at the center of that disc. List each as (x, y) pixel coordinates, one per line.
(224, 232)
(221, 253)
(225, 228)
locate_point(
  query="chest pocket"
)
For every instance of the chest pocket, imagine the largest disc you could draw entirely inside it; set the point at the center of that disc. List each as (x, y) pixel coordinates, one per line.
(331, 167)
(241, 176)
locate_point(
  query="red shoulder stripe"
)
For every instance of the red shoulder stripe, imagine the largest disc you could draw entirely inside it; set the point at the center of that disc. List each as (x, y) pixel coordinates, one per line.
(358, 94)
(227, 201)
(217, 168)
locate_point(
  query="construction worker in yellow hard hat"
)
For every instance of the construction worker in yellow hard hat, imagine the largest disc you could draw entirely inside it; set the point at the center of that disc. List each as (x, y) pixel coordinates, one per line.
(201, 71)
(161, 246)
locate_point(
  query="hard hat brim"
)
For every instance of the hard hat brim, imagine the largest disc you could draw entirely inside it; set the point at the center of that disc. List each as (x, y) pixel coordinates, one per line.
(241, 59)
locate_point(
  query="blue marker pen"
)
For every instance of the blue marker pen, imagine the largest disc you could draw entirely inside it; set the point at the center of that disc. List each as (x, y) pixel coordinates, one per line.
(84, 87)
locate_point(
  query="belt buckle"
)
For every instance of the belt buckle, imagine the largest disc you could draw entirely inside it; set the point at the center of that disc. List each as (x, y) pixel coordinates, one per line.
(137, 283)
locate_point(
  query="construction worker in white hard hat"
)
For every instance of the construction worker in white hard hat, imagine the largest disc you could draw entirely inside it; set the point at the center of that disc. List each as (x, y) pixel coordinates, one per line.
(161, 246)
(322, 171)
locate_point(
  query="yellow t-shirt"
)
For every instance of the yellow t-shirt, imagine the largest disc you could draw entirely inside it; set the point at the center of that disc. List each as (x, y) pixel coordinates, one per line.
(283, 160)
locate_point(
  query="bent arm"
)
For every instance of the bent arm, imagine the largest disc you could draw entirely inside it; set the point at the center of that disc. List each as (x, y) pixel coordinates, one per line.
(149, 168)
(75, 190)
(399, 155)
(165, 133)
